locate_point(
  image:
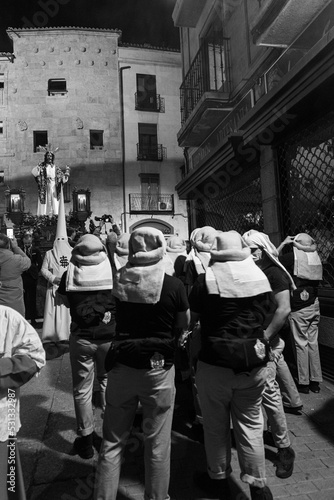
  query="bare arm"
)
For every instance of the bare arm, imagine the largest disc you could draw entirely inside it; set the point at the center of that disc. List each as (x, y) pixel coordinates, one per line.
(288, 239)
(280, 315)
(25, 262)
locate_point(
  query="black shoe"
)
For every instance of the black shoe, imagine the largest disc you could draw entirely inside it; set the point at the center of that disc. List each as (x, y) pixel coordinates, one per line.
(295, 410)
(304, 389)
(314, 387)
(83, 446)
(261, 493)
(213, 488)
(285, 462)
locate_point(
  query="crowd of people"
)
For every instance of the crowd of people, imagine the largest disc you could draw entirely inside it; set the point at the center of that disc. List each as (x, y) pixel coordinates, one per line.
(127, 305)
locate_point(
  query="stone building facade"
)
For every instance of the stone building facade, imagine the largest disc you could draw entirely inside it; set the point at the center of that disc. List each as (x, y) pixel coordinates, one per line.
(62, 86)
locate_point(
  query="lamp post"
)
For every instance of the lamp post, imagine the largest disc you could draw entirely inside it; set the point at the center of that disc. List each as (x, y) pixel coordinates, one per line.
(121, 69)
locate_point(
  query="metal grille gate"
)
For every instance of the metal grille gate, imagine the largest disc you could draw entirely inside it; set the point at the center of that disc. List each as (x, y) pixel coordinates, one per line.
(306, 172)
(240, 210)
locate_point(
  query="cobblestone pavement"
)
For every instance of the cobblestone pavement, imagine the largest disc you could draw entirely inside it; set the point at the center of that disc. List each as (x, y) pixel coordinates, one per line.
(52, 472)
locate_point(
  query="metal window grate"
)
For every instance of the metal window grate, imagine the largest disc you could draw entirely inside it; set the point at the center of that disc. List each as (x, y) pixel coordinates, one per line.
(240, 210)
(306, 172)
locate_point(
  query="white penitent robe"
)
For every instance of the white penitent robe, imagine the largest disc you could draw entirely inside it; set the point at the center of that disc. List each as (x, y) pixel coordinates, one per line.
(57, 320)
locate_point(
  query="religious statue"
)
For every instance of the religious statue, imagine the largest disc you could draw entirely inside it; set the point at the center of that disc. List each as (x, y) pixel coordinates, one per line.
(49, 179)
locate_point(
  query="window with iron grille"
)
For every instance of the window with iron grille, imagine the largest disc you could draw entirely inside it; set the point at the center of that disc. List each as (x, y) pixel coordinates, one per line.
(148, 147)
(40, 139)
(209, 70)
(147, 98)
(150, 188)
(238, 209)
(306, 169)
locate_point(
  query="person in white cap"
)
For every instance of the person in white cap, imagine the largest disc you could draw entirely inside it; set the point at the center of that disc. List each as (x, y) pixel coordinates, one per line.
(149, 306)
(265, 255)
(231, 300)
(56, 322)
(87, 285)
(197, 262)
(304, 264)
(175, 257)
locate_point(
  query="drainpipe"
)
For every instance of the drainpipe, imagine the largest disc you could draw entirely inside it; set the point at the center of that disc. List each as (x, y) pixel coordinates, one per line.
(123, 139)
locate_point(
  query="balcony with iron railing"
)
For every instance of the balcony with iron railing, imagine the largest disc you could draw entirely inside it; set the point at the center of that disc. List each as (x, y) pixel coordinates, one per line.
(155, 152)
(151, 203)
(293, 53)
(149, 102)
(205, 92)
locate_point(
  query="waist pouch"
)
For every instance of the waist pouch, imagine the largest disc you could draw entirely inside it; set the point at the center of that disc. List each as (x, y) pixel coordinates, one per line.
(240, 355)
(138, 352)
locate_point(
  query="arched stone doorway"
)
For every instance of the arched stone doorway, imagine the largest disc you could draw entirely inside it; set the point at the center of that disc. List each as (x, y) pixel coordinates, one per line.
(163, 226)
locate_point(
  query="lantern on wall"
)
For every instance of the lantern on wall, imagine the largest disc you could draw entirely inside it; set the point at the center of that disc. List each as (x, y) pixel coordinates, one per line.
(15, 204)
(81, 204)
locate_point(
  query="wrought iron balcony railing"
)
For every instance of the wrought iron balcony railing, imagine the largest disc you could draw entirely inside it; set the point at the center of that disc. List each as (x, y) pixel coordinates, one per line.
(143, 203)
(151, 153)
(209, 72)
(149, 102)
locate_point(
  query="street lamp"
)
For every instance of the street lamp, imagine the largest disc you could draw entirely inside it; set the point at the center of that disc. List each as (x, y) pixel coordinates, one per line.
(123, 140)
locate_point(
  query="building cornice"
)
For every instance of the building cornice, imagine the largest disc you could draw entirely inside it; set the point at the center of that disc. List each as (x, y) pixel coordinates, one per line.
(33, 31)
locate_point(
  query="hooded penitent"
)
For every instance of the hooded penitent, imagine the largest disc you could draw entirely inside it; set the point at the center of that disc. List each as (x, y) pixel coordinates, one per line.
(61, 251)
(141, 279)
(256, 239)
(232, 271)
(175, 250)
(121, 250)
(89, 268)
(307, 263)
(201, 240)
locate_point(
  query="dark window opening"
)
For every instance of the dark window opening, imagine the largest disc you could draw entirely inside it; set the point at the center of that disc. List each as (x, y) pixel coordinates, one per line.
(57, 86)
(40, 139)
(96, 139)
(1, 127)
(148, 141)
(67, 192)
(146, 92)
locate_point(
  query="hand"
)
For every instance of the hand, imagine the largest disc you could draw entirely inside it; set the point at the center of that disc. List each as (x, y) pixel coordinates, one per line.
(183, 338)
(288, 239)
(13, 242)
(56, 281)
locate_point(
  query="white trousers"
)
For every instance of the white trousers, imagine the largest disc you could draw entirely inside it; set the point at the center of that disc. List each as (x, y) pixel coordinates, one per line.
(225, 395)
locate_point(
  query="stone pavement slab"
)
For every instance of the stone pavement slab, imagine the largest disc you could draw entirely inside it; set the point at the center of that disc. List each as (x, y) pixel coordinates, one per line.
(52, 472)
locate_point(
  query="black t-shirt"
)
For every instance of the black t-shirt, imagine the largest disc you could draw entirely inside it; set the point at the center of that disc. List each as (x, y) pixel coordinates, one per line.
(144, 329)
(157, 320)
(307, 290)
(279, 282)
(88, 312)
(227, 318)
